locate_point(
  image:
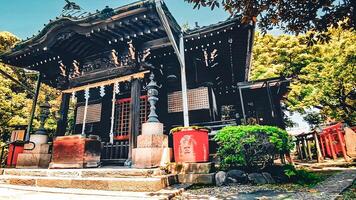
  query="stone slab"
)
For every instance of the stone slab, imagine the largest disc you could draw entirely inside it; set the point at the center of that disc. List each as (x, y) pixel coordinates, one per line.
(350, 142)
(54, 165)
(31, 160)
(152, 128)
(206, 179)
(191, 168)
(25, 172)
(141, 184)
(116, 172)
(144, 158)
(39, 148)
(21, 181)
(156, 141)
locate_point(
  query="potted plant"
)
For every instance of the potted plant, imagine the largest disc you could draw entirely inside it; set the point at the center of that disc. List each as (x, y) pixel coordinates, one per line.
(191, 144)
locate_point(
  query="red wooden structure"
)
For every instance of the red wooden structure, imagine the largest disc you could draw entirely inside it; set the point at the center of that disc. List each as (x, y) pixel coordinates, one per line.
(332, 141)
(123, 112)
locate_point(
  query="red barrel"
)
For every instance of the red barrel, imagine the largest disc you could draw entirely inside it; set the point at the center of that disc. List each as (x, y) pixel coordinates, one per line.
(14, 151)
(191, 146)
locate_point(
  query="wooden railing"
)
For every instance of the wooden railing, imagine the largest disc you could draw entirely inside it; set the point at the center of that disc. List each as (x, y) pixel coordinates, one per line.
(116, 153)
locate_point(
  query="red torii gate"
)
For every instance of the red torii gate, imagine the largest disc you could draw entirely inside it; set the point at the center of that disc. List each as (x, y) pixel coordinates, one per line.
(332, 141)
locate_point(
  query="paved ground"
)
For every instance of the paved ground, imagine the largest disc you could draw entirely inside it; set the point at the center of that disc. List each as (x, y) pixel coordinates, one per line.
(11, 192)
(328, 189)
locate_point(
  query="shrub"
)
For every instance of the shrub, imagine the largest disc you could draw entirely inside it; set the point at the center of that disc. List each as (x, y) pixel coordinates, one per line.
(301, 176)
(251, 147)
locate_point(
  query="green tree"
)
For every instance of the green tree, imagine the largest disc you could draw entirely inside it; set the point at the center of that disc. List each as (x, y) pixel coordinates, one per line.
(295, 16)
(323, 74)
(15, 101)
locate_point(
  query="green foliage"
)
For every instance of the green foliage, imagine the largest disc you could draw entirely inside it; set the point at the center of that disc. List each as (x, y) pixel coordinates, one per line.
(324, 75)
(181, 128)
(15, 101)
(295, 16)
(251, 147)
(314, 119)
(301, 176)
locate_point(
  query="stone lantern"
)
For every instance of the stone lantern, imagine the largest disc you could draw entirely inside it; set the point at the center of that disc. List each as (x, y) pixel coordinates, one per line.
(152, 145)
(44, 113)
(152, 92)
(36, 153)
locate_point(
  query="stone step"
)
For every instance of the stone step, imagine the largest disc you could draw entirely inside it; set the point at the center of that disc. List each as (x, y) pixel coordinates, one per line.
(85, 173)
(133, 184)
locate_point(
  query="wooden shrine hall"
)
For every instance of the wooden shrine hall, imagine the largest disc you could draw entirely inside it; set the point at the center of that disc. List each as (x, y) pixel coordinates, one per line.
(103, 62)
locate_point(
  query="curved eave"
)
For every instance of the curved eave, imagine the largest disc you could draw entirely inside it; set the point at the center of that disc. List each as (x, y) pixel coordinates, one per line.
(109, 25)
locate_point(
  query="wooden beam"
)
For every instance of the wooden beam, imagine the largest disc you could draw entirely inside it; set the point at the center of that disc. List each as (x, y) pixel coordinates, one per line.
(139, 75)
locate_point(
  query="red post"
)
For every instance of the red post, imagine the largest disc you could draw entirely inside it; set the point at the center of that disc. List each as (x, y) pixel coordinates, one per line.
(327, 144)
(332, 147)
(322, 140)
(342, 142)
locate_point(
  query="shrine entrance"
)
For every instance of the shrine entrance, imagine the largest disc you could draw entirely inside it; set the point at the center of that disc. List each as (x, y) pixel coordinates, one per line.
(118, 151)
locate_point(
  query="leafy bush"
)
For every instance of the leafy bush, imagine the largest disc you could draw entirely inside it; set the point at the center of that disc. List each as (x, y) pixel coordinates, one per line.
(301, 176)
(251, 147)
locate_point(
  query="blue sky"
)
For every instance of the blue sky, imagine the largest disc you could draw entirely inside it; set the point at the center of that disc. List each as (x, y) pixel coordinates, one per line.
(26, 17)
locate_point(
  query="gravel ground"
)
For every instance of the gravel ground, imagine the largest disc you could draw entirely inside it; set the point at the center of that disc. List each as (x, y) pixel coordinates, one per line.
(328, 189)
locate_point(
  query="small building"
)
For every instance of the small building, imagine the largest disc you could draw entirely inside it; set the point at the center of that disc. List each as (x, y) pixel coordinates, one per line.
(102, 63)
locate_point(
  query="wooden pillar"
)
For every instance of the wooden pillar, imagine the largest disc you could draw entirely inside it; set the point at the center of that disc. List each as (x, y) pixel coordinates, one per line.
(305, 148)
(327, 144)
(134, 114)
(309, 149)
(63, 115)
(342, 143)
(299, 150)
(322, 142)
(332, 147)
(33, 109)
(319, 157)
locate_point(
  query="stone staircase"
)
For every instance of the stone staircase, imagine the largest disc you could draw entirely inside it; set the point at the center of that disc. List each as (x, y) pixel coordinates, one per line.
(116, 179)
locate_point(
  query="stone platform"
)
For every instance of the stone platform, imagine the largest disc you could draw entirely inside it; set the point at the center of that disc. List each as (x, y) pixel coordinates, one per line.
(113, 179)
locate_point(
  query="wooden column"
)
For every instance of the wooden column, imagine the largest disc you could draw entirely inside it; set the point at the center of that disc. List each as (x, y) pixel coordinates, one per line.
(322, 142)
(342, 143)
(134, 114)
(332, 146)
(63, 115)
(304, 145)
(300, 154)
(310, 155)
(319, 157)
(33, 109)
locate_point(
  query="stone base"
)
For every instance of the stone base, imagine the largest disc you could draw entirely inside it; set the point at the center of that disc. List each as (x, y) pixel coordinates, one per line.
(33, 160)
(152, 141)
(152, 128)
(191, 168)
(53, 165)
(39, 148)
(206, 179)
(151, 157)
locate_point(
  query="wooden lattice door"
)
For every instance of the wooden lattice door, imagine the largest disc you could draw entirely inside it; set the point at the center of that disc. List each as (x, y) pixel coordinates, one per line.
(123, 116)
